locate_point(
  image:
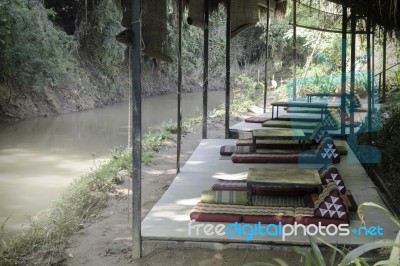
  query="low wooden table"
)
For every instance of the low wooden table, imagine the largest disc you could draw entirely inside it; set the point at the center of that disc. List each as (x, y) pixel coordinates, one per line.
(282, 179)
(322, 106)
(320, 95)
(284, 134)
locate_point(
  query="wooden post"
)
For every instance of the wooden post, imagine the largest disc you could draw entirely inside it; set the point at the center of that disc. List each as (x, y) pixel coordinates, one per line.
(384, 66)
(179, 112)
(380, 84)
(373, 66)
(228, 67)
(205, 68)
(266, 59)
(369, 77)
(136, 131)
(352, 71)
(344, 71)
(294, 50)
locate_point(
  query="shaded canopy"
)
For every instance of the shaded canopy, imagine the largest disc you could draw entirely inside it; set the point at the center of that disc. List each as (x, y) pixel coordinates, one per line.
(385, 13)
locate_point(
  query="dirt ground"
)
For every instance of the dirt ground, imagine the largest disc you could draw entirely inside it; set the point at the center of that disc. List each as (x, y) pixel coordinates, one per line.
(107, 241)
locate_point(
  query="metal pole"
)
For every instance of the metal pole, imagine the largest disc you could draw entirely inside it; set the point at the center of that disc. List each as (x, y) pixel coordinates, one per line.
(369, 82)
(344, 56)
(380, 84)
(228, 67)
(179, 113)
(373, 66)
(294, 50)
(137, 131)
(266, 59)
(352, 71)
(384, 66)
(205, 68)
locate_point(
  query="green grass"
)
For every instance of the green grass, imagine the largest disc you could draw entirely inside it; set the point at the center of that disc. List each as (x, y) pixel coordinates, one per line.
(45, 240)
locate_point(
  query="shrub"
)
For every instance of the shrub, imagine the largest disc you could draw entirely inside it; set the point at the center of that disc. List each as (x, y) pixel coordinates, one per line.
(33, 50)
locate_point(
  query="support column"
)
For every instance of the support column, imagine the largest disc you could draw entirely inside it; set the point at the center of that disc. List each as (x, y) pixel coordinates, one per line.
(205, 68)
(266, 59)
(384, 66)
(344, 71)
(294, 49)
(228, 68)
(179, 99)
(373, 66)
(352, 72)
(369, 77)
(136, 131)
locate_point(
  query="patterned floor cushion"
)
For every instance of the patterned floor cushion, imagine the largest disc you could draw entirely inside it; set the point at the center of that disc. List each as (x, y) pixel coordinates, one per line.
(318, 134)
(232, 185)
(290, 124)
(268, 219)
(215, 217)
(329, 208)
(299, 118)
(240, 185)
(273, 144)
(237, 210)
(265, 158)
(284, 144)
(328, 151)
(235, 213)
(330, 204)
(348, 199)
(224, 197)
(240, 198)
(312, 157)
(329, 176)
(328, 168)
(228, 150)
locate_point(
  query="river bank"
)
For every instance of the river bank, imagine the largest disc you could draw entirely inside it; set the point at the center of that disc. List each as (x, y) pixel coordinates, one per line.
(107, 240)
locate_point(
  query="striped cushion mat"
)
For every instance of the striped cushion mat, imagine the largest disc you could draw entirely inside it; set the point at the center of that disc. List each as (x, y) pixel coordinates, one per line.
(242, 210)
(240, 198)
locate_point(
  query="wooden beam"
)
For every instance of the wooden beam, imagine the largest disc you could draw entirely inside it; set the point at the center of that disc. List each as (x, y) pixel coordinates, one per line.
(344, 56)
(136, 131)
(294, 50)
(205, 68)
(266, 59)
(352, 72)
(179, 99)
(228, 68)
(384, 65)
(373, 65)
(369, 80)
(325, 30)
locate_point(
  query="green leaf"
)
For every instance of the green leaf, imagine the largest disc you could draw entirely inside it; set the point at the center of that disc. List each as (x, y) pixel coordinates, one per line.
(331, 246)
(360, 212)
(317, 252)
(386, 263)
(395, 255)
(280, 262)
(356, 253)
(259, 264)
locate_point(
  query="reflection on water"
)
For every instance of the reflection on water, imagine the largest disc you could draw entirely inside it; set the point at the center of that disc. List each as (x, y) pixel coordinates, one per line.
(40, 156)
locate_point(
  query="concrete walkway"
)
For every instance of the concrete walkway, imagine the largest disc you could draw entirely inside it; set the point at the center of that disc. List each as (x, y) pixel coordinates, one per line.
(167, 224)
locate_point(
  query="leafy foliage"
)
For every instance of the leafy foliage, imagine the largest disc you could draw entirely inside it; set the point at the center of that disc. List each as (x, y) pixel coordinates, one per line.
(32, 50)
(108, 51)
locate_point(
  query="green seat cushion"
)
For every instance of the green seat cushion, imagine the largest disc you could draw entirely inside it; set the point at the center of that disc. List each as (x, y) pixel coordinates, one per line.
(290, 124)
